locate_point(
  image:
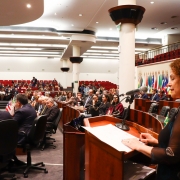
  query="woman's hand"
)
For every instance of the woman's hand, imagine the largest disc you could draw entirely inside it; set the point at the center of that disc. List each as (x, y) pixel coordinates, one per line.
(148, 139)
(132, 143)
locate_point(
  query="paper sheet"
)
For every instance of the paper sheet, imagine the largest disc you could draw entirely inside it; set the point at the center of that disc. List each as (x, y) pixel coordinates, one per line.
(111, 135)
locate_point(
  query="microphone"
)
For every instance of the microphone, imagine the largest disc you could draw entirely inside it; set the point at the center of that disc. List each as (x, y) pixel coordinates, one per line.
(121, 95)
(132, 92)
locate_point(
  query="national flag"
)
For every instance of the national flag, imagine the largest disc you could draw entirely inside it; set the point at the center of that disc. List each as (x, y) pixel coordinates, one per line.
(8, 106)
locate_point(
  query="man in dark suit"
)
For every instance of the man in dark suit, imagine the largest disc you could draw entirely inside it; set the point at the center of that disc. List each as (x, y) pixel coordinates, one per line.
(143, 95)
(5, 115)
(155, 96)
(52, 111)
(24, 114)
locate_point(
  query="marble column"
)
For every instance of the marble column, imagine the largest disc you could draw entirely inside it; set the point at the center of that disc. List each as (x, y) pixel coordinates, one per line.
(126, 15)
(76, 60)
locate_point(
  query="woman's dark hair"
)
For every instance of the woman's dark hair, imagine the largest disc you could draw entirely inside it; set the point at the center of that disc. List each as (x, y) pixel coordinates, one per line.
(22, 98)
(113, 103)
(107, 97)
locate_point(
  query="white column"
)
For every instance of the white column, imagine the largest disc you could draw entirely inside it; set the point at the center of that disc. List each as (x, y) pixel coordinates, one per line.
(76, 53)
(127, 54)
(64, 78)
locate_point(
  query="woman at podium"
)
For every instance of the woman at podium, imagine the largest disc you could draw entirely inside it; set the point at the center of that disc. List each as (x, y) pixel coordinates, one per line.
(165, 151)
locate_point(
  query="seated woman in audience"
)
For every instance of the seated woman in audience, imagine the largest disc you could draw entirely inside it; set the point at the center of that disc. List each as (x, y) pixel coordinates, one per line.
(116, 109)
(70, 99)
(94, 109)
(104, 105)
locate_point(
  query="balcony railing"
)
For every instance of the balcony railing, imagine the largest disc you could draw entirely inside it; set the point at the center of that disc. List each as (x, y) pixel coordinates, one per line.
(162, 53)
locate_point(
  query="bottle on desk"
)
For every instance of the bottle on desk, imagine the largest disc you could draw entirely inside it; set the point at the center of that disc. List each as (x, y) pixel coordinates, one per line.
(166, 119)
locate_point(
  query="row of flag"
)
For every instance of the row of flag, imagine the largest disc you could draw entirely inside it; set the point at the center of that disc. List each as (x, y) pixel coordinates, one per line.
(159, 81)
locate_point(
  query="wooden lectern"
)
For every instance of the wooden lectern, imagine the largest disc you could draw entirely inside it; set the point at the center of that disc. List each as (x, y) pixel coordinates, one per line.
(103, 162)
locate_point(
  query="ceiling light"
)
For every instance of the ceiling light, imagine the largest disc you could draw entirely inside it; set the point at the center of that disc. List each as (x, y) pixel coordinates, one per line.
(152, 2)
(28, 6)
(163, 22)
(110, 29)
(154, 28)
(104, 47)
(97, 22)
(80, 14)
(72, 24)
(55, 14)
(174, 28)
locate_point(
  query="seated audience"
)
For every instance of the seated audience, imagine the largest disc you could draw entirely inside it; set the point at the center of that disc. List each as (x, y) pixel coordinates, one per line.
(44, 107)
(2, 94)
(94, 109)
(88, 100)
(163, 96)
(70, 99)
(104, 105)
(51, 112)
(116, 109)
(79, 100)
(155, 96)
(24, 114)
(143, 95)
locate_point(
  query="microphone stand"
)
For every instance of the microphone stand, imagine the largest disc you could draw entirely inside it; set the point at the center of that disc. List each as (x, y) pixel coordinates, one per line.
(122, 125)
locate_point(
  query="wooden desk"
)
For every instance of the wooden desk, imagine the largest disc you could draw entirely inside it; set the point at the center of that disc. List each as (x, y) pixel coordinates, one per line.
(102, 161)
(171, 104)
(74, 140)
(143, 104)
(68, 114)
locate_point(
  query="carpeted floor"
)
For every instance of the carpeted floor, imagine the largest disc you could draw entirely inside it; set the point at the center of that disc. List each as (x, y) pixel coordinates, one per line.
(52, 158)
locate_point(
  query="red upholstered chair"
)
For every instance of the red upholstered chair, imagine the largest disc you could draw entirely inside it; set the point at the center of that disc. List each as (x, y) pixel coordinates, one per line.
(172, 54)
(177, 53)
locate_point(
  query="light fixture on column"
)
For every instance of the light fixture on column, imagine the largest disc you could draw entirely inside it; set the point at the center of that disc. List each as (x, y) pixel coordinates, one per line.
(64, 69)
(76, 59)
(127, 14)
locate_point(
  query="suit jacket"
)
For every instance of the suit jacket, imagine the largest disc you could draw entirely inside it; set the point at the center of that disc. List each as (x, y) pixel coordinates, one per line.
(103, 108)
(4, 115)
(155, 97)
(52, 113)
(44, 110)
(88, 101)
(144, 96)
(25, 117)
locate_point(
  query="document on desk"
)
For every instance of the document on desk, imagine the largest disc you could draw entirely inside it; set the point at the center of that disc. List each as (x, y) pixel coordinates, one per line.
(111, 135)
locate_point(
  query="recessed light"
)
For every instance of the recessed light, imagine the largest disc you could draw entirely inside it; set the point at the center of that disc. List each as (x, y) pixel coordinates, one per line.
(28, 6)
(55, 14)
(152, 2)
(174, 28)
(163, 22)
(97, 22)
(80, 14)
(72, 24)
(110, 29)
(154, 28)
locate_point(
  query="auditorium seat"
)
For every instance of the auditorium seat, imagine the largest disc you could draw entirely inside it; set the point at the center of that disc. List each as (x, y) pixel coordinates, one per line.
(164, 111)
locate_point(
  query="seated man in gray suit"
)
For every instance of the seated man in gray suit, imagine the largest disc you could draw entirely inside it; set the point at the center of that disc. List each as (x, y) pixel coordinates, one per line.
(51, 112)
